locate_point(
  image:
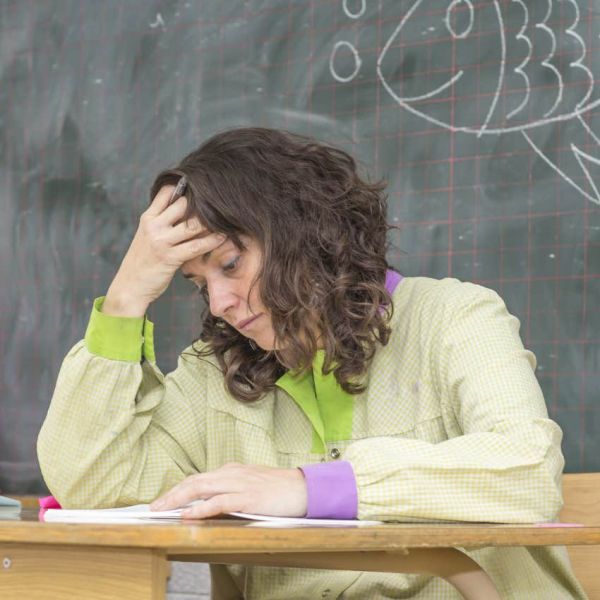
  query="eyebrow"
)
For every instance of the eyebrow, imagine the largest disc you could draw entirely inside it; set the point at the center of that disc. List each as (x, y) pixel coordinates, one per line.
(204, 259)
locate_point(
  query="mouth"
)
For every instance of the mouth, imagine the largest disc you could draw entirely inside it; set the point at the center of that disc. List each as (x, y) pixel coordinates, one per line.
(246, 322)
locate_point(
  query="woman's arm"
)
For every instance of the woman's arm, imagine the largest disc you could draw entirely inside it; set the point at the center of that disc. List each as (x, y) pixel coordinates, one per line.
(506, 464)
(118, 432)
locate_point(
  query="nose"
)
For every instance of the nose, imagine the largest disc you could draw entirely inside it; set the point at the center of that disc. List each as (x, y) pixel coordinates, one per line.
(221, 298)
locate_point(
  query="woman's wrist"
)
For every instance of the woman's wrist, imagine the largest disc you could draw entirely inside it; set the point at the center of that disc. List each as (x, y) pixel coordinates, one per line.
(119, 304)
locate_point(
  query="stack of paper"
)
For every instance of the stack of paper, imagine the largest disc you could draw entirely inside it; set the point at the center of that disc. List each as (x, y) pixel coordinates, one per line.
(141, 513)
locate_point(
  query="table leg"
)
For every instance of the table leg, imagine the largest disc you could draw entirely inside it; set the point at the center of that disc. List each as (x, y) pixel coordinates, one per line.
(43, 571)
(451, 564)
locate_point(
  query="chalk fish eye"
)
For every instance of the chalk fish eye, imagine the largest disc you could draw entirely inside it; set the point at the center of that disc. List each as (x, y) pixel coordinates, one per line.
(459, 21)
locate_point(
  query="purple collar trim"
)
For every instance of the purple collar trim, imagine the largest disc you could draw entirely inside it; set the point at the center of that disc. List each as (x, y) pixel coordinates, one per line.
(392, 279)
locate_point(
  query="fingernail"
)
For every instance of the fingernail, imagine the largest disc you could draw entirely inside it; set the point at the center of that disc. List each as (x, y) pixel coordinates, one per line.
(157, 505)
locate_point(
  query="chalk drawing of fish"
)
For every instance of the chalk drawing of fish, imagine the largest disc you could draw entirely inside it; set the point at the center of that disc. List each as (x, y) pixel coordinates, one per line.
(519, 83)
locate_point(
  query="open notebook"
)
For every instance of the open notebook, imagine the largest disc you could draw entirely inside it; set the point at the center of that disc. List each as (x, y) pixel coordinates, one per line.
(141, 513)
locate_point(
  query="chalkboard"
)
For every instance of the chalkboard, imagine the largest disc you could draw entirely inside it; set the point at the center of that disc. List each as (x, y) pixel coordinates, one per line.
(483, 116)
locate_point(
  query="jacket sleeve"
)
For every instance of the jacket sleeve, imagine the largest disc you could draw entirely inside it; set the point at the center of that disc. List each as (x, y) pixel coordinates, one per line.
(502, 461)
(117, 431)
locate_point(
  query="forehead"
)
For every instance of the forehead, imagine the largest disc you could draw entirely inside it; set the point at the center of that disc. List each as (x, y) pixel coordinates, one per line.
(199, 265)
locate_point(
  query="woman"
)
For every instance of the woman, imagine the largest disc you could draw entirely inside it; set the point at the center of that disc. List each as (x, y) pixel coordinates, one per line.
(321, 384)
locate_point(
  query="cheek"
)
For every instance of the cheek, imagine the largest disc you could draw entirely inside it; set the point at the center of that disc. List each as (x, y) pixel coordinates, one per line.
(265, 337)
(255, 300)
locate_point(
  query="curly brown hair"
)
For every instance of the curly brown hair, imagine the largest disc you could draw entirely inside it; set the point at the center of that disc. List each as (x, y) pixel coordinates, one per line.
(322, 231)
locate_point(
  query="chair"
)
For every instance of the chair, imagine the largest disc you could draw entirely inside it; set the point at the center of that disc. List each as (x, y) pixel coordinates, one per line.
(581, 492)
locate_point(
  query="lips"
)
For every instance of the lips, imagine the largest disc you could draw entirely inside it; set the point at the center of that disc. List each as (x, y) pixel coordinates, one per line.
(243, 324)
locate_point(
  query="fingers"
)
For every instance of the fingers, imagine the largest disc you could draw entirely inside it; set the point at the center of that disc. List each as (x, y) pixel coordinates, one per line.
(161, 200)
(192, 228)
(162, 207)
(190, 249)
(167, 218)
(201, 486)
(235, 487)
(217, 505)
(174, 213)
(182, 494)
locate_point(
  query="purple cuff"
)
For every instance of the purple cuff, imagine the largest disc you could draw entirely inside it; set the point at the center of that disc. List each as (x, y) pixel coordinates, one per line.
(331, 490)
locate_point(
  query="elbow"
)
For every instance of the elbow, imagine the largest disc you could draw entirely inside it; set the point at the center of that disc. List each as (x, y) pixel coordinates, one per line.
(552, 501)
(543, 500)
(543, 487)
(55, 477)
(547, 508)
(63, 476)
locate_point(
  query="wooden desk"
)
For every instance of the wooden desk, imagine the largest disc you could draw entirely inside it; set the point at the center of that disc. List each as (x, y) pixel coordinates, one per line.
(101, 562)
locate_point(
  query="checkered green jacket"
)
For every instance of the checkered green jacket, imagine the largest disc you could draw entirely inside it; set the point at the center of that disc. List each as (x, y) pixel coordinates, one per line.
(452, 426)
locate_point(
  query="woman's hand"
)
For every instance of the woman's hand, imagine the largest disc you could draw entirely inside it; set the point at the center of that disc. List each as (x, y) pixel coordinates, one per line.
(162, 243)
(239, 488)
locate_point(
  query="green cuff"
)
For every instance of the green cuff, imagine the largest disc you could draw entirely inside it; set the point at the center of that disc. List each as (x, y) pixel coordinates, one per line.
(119, 338)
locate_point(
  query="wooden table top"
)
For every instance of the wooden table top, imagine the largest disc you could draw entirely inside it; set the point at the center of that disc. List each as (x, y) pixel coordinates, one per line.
(228, 535)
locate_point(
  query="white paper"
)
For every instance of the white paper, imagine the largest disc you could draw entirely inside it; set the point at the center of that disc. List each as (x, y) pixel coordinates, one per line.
(136, 513)
(291, 521)
(141, 513)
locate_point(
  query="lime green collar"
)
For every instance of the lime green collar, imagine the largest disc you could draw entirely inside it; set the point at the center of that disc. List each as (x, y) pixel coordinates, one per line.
(327, 406)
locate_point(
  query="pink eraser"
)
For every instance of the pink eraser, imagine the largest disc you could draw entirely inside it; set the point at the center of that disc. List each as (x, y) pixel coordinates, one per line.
(49, 502)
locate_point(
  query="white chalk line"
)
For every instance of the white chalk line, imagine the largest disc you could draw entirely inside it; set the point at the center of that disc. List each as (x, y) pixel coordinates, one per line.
(588, 129)
(578, 154)
(580, 109)
(545, 63)
(159, 22)
(355, 15)
(577, 64)
(449, 27)
(519, 69)
(502, 69)
(357, 62)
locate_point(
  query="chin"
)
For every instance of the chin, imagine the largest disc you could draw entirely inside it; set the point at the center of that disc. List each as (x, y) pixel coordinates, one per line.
(265, 344)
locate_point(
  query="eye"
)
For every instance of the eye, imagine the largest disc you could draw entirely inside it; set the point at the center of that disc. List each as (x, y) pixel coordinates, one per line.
(202, 291)
(231, 265)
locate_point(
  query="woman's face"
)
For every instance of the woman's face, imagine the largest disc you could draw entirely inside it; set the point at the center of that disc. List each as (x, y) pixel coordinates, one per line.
(228, 274)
